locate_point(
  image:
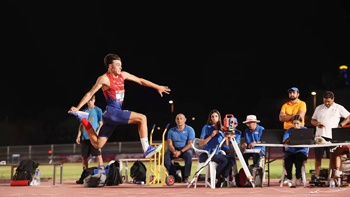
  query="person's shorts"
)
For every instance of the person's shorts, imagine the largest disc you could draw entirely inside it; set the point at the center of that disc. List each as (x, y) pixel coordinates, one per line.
(87, 148)
(319, 151)
(111, 118)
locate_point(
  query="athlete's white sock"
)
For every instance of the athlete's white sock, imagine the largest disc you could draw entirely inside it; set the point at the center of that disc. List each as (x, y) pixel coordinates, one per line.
(144, 143)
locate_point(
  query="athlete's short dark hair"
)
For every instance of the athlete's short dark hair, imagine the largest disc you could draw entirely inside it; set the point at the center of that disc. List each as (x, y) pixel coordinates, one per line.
(328, 94)
(109, 59)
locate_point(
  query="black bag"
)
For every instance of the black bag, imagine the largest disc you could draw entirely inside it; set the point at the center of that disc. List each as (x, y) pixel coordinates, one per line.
(25, 170)
(113, 176)
(256, 172)
(179, 179)
(138, 171)
(85, 173)
(241, 178)
(95, 180)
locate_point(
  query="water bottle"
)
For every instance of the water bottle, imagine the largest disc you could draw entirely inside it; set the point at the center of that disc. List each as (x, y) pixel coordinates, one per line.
(37, 178)
(140, 182)
(332, 184)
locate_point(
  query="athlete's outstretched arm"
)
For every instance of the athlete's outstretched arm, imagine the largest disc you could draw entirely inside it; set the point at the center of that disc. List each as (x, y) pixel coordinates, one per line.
(144, 82)
(88, 95)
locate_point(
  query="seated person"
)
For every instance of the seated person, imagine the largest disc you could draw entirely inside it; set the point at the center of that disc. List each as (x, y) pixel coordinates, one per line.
(180, 146)
(339, 155)
(252, 136)
(210, 138)
(294, 155)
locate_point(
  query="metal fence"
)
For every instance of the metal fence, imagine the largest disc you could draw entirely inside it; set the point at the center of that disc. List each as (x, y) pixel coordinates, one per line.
(64, 152)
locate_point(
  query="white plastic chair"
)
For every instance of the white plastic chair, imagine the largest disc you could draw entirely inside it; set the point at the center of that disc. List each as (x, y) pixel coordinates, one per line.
(303, 175)
(345, 171)
(210, 169)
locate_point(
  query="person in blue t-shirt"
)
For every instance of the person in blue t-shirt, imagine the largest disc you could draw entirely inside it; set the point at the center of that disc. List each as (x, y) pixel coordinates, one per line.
(252, 135)
(210, 138)
(95, 118)
(294, 155)
(180, 146)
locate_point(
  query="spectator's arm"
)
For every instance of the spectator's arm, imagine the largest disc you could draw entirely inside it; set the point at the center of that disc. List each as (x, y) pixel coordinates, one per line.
(100, 123)
(314, 122)
(284, 117)
(171, 146)
(79, 133)
(187, 147)
(345, 121)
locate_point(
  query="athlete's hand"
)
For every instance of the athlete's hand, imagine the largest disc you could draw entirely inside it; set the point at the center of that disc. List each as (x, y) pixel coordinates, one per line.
(73, 109)
(163, 89)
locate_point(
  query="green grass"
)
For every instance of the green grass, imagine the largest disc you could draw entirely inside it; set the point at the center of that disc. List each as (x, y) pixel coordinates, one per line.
(72, 171)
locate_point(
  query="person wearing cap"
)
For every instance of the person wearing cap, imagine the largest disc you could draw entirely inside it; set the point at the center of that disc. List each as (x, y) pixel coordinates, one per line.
(252, 135)
(292, 107)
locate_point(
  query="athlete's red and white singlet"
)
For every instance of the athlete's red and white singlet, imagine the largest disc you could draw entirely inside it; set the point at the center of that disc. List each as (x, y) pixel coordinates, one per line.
(115, 94)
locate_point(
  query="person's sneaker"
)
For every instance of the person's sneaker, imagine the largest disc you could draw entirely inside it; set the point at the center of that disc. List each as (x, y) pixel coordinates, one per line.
(284, 180)
(186, 180)
(298, 182)
(315, 179)
(80, 115)
(219, 183)
(337, 174)
(289, 183)
(152, 151)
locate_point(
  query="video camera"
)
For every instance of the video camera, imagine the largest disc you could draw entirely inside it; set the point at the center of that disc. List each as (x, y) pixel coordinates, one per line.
(229, 124)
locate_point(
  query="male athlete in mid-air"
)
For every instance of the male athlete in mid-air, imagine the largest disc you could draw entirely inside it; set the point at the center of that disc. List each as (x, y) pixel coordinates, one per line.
(112, 84)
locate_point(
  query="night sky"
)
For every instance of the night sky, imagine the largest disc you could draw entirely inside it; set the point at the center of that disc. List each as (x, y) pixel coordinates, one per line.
(238, 58)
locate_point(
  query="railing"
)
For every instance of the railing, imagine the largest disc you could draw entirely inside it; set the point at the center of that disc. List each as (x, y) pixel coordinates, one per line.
(65, 152)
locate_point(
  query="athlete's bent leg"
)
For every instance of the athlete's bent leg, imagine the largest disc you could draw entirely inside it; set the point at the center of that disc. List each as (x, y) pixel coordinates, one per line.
(96, 141)
(141, 121)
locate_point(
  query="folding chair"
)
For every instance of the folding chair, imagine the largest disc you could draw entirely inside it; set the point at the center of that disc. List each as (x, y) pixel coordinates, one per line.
(210, 169)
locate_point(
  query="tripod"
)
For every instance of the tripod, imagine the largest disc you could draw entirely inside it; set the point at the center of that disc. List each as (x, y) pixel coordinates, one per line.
(229, 134)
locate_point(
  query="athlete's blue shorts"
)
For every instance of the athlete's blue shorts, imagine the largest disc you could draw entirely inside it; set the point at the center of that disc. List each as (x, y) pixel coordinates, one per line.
(112, 117)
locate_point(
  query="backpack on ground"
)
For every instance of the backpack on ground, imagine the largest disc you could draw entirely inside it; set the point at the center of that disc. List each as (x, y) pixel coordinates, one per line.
(94, 180)
(241, 178)
(25, 170)
(113, 175)
(179, 177)
(256, 172)
(86, 172)
(138, 172)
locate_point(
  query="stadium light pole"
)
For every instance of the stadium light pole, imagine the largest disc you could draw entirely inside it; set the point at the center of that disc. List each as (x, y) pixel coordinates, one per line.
(171, 102)
(314, 94)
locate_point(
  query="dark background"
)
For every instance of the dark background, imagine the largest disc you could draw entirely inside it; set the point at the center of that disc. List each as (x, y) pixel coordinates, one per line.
(238, 58)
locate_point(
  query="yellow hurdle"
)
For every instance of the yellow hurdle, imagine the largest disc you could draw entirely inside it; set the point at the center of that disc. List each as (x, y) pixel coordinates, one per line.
(156, 167)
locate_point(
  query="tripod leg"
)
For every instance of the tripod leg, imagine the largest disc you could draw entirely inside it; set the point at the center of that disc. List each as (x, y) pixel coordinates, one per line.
(241, 159)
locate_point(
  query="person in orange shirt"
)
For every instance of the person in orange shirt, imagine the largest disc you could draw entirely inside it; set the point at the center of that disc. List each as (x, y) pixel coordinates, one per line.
(291, 108)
